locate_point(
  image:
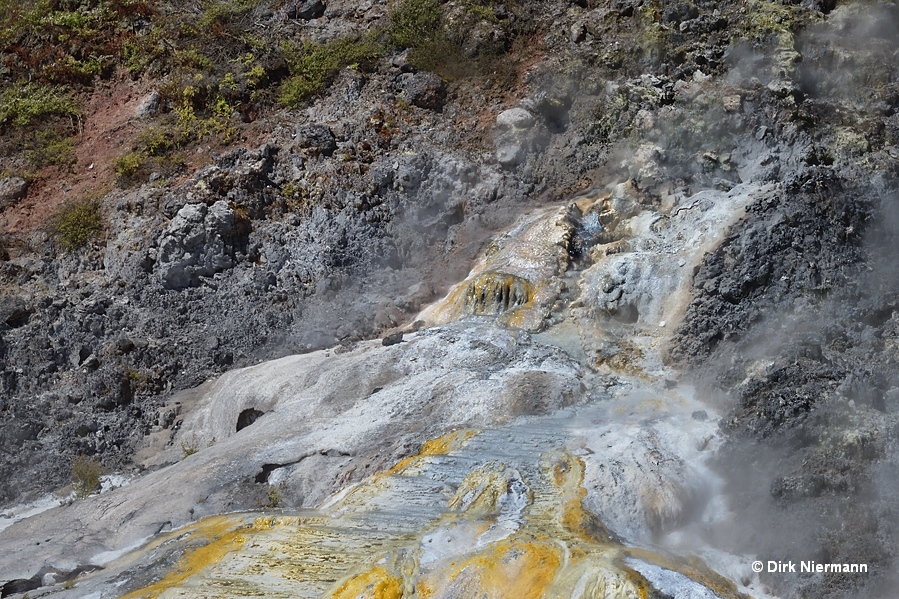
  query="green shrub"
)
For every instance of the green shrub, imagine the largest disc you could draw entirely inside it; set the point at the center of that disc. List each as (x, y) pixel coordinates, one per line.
(24, 104)
(86, 475)
(217, 15)
(189, 446)
(313, 66)
(159, 141)
(54, 41)
(420, 26)
(49, 146)
(415, 23)
(127, 165)
(78, 223)
(274, 496)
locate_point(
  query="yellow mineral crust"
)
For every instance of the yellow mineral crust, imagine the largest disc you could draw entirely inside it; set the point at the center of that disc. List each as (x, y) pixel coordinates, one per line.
(221, 535)
(483, 489)
(501, 531)
(440, 446)
(496, 293)
(374, 584)
(510, 568)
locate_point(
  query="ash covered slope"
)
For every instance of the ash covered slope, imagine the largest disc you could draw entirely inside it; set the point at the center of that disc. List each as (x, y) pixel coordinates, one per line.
(228, 267)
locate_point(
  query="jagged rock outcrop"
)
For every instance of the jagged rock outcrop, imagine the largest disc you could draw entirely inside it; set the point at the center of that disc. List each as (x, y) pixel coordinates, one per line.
(199, 242)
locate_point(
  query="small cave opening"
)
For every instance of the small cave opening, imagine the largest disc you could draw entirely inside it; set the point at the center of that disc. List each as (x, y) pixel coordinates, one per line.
(248, 417)
(267, 469)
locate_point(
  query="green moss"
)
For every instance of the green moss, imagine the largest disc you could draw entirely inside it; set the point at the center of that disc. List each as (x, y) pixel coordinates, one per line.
(78, 224)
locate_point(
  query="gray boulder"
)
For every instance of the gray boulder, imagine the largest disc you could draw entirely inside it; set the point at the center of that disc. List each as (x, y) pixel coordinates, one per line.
(12, 189)
(317, 138)
(425, 90)
(199, 242)
(304, 9)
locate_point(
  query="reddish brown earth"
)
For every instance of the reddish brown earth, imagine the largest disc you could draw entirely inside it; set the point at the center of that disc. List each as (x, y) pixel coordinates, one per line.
(107, 131)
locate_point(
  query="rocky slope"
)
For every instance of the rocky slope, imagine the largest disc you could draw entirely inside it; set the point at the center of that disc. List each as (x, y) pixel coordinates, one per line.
(347, 216)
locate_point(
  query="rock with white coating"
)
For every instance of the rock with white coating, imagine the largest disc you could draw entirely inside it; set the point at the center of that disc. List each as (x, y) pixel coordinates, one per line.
(515, 119)
(148, 105)
(513, 135)
(353, 414)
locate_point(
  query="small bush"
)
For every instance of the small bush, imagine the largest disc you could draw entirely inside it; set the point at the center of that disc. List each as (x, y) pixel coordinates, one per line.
(86, 475)
(192, 445)
(415, 23)
(313, 66)
(274, 496)
(50, 147)
(127, 165)
(78, 223)
(22, 105)
(437, 46)
(218, 15)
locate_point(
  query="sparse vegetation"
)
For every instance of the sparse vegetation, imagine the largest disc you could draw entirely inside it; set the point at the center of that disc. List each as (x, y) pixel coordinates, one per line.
(74, 41)
(189, 446)
(274, 496)
(217, 64)
(46, 147)
(437, 45)
(86, 474)
(764, 18)
(78, 223)
(416, 24)
(127, 165)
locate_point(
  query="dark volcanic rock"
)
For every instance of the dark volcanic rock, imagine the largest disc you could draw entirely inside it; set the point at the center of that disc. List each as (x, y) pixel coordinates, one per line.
(317, 138)
(425, 90)
(304, 9)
